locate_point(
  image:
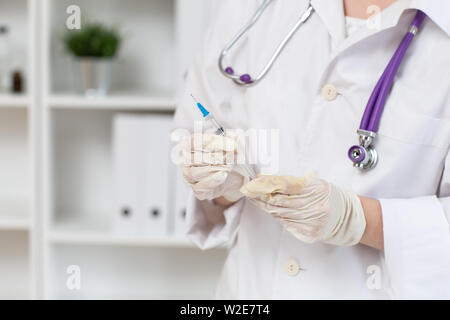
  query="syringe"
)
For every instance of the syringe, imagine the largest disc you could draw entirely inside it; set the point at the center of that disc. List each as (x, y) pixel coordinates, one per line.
(207, 116)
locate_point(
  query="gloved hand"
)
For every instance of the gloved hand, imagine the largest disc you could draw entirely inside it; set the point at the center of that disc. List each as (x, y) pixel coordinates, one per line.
(310, 208)
(208, 166)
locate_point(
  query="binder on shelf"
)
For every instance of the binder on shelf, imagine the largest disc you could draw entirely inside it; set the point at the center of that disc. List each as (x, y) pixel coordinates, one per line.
(154, 208)
(179, 212)
(126, 157)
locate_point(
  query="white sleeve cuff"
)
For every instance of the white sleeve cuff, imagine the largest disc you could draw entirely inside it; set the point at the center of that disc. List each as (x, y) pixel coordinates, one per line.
(417, 248)
(209, 225)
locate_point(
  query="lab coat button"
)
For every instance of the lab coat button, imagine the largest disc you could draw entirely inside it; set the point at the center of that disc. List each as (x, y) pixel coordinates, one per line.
(329, 92)
(291, 267)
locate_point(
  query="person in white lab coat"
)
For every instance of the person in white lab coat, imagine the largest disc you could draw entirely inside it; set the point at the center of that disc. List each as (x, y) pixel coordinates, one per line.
(376, 234)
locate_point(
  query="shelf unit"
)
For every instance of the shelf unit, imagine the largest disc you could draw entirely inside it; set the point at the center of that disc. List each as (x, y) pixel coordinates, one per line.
(54, 210)
(120, 102)
(19, 245)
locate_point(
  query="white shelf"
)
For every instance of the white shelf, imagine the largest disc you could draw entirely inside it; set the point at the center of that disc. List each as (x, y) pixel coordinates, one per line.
(14, 213)
(113, 102)
(13, 101)
(81, 238)
(87, 231)
(8, 223)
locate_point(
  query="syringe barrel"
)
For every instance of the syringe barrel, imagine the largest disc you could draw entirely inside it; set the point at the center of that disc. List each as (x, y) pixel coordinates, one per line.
(219, 130)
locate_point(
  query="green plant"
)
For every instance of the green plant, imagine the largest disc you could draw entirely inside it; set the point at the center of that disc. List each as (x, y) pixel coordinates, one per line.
(93, 40)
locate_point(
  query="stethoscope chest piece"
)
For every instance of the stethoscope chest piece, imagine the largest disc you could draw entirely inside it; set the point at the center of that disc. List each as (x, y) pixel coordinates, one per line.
(364, 156)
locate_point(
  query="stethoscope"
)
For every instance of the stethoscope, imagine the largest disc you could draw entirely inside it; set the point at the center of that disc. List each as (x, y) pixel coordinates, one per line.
(364, 156)
(245, 79)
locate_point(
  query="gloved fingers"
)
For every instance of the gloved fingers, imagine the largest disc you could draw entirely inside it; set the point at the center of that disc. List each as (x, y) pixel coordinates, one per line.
(273, 210)
(194, 174)
(305, 224)
(239, 138)
(236, 135)
(306, 215)
(208, 158)
(208, 142)
(212, 181)
(220, 183)
(234, 181)
(208, 149)
(261, 204)
(204, 194)
(303, 201)
(209, 188)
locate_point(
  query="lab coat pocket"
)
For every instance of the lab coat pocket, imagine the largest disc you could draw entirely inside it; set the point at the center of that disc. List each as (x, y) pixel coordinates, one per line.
(414, 128)
(411, 152)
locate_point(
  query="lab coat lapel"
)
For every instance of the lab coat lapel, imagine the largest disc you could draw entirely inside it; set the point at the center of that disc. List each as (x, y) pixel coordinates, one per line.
(388, 18)
(331, 12)
(436, 10)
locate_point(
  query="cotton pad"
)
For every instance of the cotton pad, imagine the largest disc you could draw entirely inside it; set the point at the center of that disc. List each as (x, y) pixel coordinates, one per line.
(270, 185)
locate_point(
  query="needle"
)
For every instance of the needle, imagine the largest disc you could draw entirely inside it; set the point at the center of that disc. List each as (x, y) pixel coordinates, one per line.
(195, 99)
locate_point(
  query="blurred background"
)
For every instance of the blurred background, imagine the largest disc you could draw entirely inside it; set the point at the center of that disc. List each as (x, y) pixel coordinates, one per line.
(84, 86)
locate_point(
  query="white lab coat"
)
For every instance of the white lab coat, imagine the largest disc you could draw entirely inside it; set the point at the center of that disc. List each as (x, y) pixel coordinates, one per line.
(411, 179)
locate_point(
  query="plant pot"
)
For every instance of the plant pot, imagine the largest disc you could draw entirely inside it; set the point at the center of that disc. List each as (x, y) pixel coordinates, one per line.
(93, 76)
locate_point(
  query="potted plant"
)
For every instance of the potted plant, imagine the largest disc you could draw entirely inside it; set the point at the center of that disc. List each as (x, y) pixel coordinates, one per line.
(94, 48)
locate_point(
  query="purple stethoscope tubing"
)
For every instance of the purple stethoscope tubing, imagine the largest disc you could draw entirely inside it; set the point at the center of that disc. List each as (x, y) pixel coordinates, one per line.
(377, 100)
(364, 155)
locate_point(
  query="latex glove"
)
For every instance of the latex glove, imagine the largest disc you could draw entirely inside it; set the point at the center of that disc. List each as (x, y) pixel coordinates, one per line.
(310, 208)
(208, 166)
